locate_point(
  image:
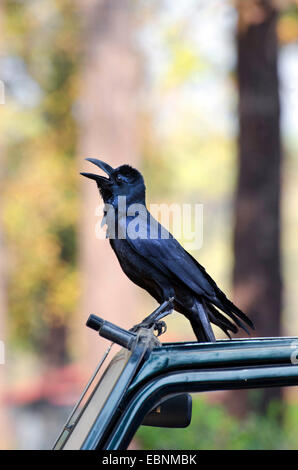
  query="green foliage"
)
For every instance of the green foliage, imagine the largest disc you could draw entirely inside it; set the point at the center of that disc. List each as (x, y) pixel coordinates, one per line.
(39, 194)
(185, 64)
(212, 427)
(287, 27)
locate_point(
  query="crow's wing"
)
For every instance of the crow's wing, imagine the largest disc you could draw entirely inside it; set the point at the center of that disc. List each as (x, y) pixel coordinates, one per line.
(173, 261)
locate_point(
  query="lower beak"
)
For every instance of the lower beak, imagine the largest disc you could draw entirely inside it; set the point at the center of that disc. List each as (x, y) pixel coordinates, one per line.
(97, 178)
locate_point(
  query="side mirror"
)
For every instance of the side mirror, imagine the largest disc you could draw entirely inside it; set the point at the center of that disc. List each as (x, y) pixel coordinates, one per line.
(174, 412)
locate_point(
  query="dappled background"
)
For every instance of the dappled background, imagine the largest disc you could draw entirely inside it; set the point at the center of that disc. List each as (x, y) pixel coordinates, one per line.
(202, 97)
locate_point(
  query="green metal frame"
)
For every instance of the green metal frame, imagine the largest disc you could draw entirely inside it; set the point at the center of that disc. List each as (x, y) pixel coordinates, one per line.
(156, 372)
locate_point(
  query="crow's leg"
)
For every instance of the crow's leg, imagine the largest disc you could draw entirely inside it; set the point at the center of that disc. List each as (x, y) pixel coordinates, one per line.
(154, 318)
(200, 322)
(162, 311)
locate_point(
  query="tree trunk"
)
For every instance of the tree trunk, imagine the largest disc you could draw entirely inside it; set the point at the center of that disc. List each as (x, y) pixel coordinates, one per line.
(108, 130)
(257, 270)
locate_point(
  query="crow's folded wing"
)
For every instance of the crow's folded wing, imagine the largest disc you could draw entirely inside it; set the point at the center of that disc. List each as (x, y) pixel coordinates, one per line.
(174, 262)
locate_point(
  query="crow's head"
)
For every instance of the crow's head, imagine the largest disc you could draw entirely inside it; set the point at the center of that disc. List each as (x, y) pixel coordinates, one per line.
(121, 181)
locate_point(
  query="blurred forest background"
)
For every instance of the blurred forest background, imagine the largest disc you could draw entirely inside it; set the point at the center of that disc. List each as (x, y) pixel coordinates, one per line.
(202, 97)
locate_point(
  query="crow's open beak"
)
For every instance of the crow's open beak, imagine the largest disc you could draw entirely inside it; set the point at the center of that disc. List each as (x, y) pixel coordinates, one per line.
(100, 180)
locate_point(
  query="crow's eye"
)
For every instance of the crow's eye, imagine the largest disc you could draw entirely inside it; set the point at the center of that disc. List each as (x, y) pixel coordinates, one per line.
(119, 179)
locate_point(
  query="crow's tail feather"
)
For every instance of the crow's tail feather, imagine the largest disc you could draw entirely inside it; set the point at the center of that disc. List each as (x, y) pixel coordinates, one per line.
(221, 321)
(230, 309)
(204, 311)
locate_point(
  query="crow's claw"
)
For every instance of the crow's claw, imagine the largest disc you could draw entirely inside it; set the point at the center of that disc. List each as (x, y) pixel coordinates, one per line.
(160, 327)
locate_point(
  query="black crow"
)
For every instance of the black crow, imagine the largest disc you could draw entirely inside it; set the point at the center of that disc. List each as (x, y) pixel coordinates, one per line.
(158, 263)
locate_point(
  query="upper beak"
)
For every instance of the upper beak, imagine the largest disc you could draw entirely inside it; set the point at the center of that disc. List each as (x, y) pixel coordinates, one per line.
(103, 166)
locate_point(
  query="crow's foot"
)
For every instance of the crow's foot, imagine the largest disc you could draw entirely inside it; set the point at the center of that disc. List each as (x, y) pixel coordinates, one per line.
(159, 326)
